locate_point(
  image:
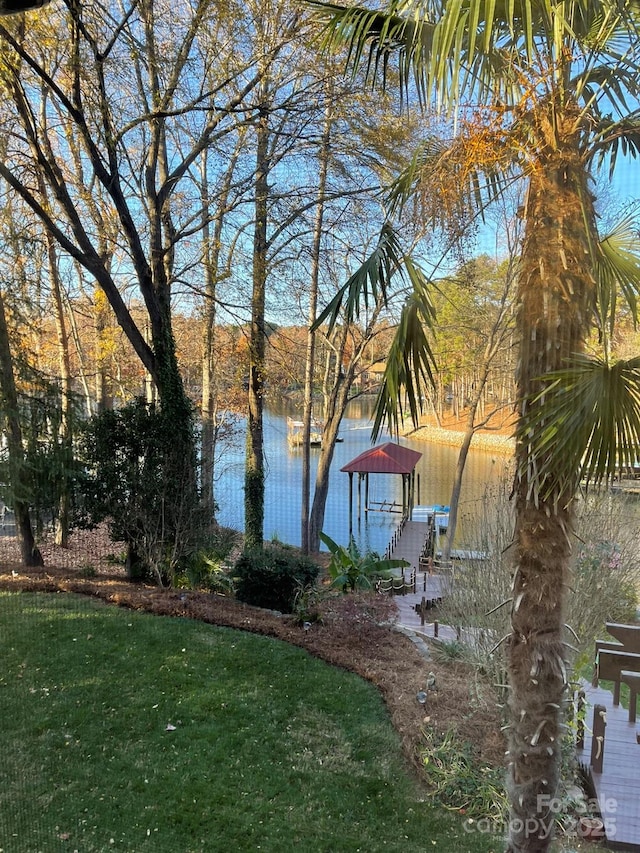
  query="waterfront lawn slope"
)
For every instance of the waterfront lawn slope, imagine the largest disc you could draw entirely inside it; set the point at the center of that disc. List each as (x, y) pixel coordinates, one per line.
(127, 731)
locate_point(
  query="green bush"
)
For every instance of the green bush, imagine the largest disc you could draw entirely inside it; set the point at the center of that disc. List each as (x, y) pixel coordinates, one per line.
(350, 570)
(141, 481)
(209, 567)
(273, 578)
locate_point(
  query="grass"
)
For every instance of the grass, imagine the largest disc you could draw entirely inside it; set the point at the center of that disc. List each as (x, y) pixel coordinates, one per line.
(272, 750)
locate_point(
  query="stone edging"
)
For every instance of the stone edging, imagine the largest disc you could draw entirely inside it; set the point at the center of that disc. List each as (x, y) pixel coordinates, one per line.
(481, 440)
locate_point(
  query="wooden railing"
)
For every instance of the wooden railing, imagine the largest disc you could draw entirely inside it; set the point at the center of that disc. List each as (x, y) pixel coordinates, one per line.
(398, 584)
(396, 536)
(413, 581)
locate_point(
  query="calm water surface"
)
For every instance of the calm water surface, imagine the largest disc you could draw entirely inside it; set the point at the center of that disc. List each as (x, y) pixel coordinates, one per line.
(484, 473)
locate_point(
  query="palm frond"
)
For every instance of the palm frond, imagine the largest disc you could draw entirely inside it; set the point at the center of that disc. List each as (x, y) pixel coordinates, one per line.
(618, 266)
(480, 47)
(608, 91)
(584, 425)
(616, 138)
(370, 36)
(454, 181)
(410, 363)
(424, 159)
(369, 284)
(442, 49)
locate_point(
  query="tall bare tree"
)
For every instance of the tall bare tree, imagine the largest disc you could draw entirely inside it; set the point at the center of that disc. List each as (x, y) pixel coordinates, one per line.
(119, 85)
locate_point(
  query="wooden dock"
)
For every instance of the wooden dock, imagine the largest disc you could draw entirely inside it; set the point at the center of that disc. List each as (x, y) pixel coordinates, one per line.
(295, 432)
(618, 786)
(408, 544)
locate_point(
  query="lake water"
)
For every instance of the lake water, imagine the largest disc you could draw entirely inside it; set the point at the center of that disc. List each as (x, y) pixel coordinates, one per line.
(484, 473)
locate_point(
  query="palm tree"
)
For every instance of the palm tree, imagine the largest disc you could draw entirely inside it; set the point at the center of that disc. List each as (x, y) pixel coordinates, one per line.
(539, 92)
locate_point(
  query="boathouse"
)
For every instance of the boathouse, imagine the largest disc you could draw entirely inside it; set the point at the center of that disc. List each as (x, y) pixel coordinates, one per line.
(388, 458)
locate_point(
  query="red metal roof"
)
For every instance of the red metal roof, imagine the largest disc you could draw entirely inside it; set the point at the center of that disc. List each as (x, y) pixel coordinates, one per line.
(387, 458)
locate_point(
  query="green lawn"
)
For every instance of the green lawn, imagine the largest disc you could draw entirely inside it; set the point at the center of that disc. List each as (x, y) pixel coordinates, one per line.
(272, 750)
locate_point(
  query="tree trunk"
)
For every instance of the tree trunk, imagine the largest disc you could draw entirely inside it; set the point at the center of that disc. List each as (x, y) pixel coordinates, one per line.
(100, 318)
(307, 413)
(254, 470)
(457, 483)
(333, 418)
(211, 243)
(29, 552)
(64, 501)
(555, 296)
(208, 408)
(336, 397)
(75, 335)
(493, 346)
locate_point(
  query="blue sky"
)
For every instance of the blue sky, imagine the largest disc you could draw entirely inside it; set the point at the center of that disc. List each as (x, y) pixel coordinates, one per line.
(626, 180)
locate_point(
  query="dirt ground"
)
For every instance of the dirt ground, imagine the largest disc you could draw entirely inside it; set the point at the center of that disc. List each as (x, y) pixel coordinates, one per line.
(355, 633)
(498, 423)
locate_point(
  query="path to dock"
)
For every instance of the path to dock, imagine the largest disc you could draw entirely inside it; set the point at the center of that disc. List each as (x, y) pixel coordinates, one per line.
(408, 546)
(618, 786)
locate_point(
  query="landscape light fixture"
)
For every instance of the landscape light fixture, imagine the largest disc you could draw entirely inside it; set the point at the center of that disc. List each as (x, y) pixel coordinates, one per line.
(15, 7)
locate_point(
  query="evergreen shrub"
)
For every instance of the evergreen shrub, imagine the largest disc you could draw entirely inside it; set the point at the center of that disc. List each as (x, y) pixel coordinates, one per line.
(272, 578)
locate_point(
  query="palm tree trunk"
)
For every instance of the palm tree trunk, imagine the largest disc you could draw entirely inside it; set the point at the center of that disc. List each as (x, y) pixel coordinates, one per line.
(555, 291)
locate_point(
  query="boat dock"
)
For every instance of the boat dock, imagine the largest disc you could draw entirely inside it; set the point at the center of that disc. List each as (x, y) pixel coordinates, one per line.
(419, 587)
(295, 432)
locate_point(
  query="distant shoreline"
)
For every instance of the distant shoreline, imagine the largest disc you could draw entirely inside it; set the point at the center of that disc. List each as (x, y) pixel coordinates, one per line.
(503, 444)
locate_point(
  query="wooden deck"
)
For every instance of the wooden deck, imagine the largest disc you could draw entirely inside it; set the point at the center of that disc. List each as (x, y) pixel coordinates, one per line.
(618, 786)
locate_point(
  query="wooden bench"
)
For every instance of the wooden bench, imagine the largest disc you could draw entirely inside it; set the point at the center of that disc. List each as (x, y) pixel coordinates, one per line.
(628, 635)
(632, 680)
(610, 663)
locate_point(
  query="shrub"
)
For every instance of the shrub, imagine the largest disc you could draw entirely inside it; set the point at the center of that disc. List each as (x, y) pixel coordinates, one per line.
(200, 571)
(606, 571)
(141, 480)
(603, 584)
(208, 567)
(350, 570)
(272, 578)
